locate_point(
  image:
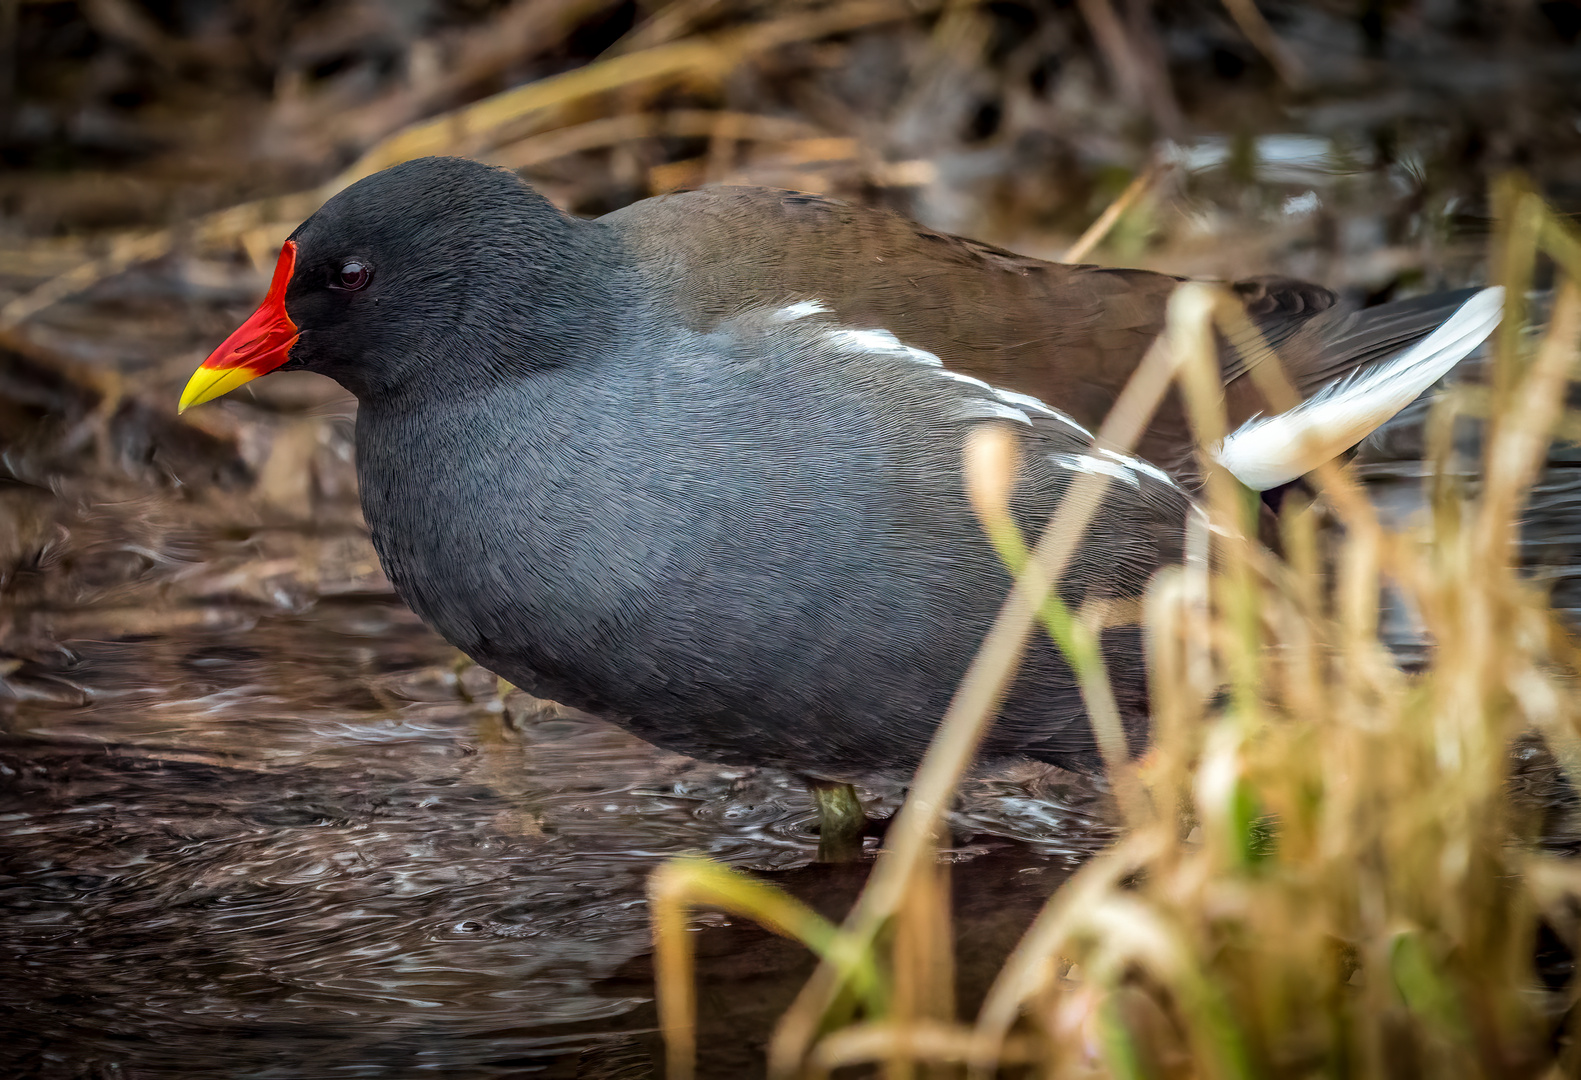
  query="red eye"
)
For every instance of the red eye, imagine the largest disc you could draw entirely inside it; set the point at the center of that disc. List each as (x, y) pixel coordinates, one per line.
(355, 274)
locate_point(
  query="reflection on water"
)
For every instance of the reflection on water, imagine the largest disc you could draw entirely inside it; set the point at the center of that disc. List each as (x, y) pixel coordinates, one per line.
(304, 845)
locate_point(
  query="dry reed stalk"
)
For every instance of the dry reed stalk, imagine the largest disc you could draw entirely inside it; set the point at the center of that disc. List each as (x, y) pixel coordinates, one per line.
(954, 745)
(681, 884)
(923, 967)
(1400, 853)
(939, 1044)
(1095, 233)
(679, 123)
(990, 465)
(1326, 881)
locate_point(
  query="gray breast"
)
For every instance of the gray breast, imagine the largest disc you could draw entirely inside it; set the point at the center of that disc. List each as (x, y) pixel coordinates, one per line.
(751, 545)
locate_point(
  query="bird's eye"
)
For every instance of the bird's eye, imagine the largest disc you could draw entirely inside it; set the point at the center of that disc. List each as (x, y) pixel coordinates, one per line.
(354, 274)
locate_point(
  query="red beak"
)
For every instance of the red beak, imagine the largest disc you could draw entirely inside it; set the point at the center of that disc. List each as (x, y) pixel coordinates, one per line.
(258, 346)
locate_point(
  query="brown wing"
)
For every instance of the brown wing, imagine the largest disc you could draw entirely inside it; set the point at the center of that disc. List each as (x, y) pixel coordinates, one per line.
(1068, 334)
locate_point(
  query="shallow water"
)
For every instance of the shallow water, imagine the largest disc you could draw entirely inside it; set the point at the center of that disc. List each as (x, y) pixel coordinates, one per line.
(303, 845)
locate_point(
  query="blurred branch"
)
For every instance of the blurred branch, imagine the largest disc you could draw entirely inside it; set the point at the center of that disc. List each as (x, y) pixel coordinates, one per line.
(1265, 41)
(462, 130)
(1135, 60)
(131, 25)
(8, 23)
(681, 123)
(671, 21)
(525, 29)
(127, 250)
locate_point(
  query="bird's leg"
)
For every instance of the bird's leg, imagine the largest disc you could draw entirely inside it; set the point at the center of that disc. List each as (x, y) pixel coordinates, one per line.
(841, 821)
(460, 664)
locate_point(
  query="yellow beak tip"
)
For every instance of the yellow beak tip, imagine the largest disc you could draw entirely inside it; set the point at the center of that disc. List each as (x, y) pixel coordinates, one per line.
(209, 383)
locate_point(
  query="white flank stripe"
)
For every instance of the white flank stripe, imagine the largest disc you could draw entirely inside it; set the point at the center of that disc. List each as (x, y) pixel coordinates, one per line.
(1136, 464)
(799, 311)
(1032, 404)
(1272, 450)
(1113, 466)
(969, 380)
(992, 410)
(883, 343)
(994, 404)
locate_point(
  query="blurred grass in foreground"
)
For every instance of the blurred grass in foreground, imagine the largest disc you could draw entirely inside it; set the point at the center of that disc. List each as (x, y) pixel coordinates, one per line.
(1323, 874)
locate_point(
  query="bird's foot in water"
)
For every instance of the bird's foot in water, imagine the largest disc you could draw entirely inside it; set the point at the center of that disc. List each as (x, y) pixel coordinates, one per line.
(461, 673)
(841, 820)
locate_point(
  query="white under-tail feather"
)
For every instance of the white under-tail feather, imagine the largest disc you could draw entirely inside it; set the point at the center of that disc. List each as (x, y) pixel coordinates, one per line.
(1267, 451)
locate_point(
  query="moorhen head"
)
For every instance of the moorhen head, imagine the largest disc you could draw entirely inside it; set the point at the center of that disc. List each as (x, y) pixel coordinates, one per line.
(423, 279)
(696, 465)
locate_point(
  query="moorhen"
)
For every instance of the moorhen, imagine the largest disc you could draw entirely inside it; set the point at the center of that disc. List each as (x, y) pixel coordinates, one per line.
(695, 466)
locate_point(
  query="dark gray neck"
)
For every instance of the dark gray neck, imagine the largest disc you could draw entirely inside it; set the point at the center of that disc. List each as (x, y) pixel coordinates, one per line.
(523, 308)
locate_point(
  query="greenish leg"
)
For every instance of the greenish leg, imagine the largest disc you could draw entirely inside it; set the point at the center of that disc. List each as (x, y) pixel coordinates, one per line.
(459, 666)
(840, 820)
